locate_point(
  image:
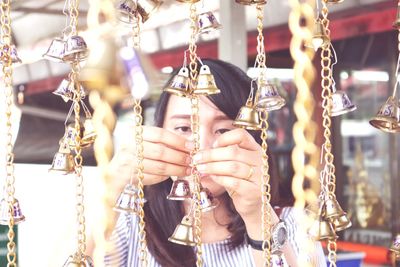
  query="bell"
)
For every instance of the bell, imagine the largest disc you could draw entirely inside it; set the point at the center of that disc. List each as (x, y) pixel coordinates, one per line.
(180, 83)
(319, 38)
(206, 82)
(180, 190)
(341, 104)
(251, 2)
(56, 50)
(387, 118)
(147, 7)
(13, 53)
(333, 209)
(268, 98)
(89, 134)
(75, 49)
(5, 212)
(341, 223)
(128, 200)
(183, 234)
(63, 160)
(322, 229)
(247, 118)
(65, 90)
(396, 23)
(77, 260)
(127, 11)
(395, 247)
(207, 201)
(208, 22)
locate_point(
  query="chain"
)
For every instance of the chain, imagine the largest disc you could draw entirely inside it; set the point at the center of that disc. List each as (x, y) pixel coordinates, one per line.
(301, 25)
(194, 120)
(326, 83)
(73, 9)
(261, 58)
(7, 79)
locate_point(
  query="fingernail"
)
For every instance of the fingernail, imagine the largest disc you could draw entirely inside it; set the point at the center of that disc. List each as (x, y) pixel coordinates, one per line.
(189, 145)
(201, 168)
(215, 144)
(197, 157)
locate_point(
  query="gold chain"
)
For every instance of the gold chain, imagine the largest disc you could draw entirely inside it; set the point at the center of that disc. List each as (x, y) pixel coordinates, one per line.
(326, 83)
(261, 58)
(194, 120)
(301, 21)
(7, 79)
(137, 109)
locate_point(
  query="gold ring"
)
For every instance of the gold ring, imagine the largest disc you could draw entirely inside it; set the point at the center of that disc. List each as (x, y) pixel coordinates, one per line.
(231, 193)
(251, 172)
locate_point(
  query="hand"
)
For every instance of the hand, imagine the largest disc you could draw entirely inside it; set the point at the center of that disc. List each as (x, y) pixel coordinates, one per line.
(165, 154)
(235, 163)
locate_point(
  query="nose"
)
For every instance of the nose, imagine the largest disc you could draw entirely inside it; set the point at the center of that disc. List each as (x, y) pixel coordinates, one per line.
(206, 138)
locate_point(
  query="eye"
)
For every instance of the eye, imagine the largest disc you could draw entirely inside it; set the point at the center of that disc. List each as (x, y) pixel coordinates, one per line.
(222, 130)
(182, 129)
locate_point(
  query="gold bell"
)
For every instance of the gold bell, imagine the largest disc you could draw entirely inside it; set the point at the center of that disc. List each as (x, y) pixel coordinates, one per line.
(251, 2)
(5, 212)
(89, 134)
(10, 50)
(341, 104)
(319, 38)
(180, 190)
(71, 136)
(333, 209)
(396, 23)
(387, 118)
(183, 234)
(180, 83)
(127, 11)
(63, 160)
(147, 7)
(267, 97)
(206, 82)
(395, 247)
(341, 223)
(78, 260)
(128, 200)
(208, 22)
(321, 228)
(207, 200)
(248, 118)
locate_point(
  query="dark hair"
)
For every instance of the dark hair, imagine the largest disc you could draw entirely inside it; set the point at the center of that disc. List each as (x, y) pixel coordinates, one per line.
(162, 215)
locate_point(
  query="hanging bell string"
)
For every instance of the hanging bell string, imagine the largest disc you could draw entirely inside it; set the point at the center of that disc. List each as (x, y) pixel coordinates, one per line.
(250, 99)
(317, 8)
(86, 110)
(69, 114)
(397, 74)
(184, 64)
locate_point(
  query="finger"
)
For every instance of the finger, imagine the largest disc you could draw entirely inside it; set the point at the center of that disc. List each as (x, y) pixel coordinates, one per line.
(233, 184)
(163, 153)
(239, 137)
(149, 179)
(160, 135)
(164, 169)
(228, 153)
(226, 168)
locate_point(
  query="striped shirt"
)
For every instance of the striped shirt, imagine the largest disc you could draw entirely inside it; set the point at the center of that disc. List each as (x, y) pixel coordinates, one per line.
(125, 241)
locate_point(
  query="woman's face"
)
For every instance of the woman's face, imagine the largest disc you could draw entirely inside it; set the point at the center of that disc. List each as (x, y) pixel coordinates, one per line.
(213, 123)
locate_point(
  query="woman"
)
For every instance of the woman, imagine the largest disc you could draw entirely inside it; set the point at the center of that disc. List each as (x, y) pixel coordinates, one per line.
(229, 160)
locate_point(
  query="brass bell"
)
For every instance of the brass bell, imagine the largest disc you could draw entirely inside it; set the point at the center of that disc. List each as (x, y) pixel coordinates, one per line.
(333, 209)
(10, 50)
(71, 136)
(251, 2)
(341, 104)
(75, 49)
(248, 118)
(63, 160)
(183, 234)
(127, 11)
(180, 190)
(56, 50)
(89, 134)
(396, 23)
(147, 7)
(128, 200)
(387, 118)
(395, 247)
(208, 22)
(180, 83)
(206, 82)
(319, 38)
(77, 260)
(322, 229)
(5, 212)
(267, 97)
(341, 223)
(207, 200)
(65, 90)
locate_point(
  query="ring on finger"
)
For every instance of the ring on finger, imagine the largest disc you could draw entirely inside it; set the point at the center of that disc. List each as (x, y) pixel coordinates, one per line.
(231, 192)
(251, 172)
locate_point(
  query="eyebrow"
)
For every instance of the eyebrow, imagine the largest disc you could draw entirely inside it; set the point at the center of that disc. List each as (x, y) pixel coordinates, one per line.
(185, 116)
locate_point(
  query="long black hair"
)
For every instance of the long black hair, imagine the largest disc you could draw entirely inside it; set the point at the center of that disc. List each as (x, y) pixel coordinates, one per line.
(162, 215)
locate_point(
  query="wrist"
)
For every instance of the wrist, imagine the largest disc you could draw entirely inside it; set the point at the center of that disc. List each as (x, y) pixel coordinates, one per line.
(254, 225)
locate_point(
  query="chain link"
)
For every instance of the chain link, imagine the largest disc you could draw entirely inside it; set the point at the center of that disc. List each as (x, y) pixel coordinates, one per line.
(6, 62)
(301, 21)
(326, 83)
(260, 58)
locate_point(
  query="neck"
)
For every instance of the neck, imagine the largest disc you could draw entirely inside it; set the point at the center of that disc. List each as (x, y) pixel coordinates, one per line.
(214, 223)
